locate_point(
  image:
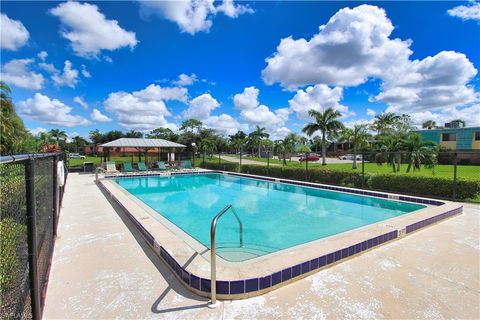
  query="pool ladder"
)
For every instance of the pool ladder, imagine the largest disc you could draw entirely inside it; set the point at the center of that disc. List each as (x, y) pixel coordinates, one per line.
(213, 252)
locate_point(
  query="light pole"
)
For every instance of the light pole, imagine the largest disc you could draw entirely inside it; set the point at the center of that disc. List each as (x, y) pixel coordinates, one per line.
(194, 147)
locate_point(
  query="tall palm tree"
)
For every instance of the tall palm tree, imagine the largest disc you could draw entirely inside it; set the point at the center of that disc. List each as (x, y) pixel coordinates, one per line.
(58, 135)
(420, 151)
(358, 137)
(429, 124)
(257, 136)
(384, 122)
(44, 139)
(208, 146)
(390, 145)
(327, 123)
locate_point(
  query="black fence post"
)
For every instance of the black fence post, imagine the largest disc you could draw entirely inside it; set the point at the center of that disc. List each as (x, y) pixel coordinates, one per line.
(240, 164)
(55, 194)
(268, 162)
(32, 238)
(363, 170)
(454, 193)
(219, 159)
(306, 166)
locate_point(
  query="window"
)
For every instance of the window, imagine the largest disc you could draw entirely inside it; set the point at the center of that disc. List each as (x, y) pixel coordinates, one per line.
(449, 137)
(477, 136)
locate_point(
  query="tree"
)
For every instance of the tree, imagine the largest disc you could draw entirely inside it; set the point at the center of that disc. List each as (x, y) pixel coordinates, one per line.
(419, 151)
(207, 146)
(390, 145)
(58, 135)
(12, 130)
(429, 124)
(113, 135)
(280, 149)
(191, 125)
(163, 133)
(384, 122)
(257, 136)
(327, 123)
(78, 142)
(358, 137)
(458, 123)
(133, 134)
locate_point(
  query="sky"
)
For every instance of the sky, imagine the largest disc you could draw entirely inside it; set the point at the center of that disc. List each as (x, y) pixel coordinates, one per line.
(126, 65)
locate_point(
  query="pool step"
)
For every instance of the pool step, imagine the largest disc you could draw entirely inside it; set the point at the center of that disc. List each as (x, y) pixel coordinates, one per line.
(234, 253)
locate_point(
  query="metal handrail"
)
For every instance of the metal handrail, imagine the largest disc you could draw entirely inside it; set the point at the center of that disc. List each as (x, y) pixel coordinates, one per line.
(213, 252)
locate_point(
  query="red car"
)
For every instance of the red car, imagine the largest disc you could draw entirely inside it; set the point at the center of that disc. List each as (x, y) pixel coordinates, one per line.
(311, 157)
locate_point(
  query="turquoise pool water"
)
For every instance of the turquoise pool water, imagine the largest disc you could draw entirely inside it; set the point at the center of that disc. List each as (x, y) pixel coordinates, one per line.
(275, 215)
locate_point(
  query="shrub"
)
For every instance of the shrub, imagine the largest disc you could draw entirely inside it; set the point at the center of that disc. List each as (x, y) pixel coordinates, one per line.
(426, 186)
(9, 237)
(220, 166)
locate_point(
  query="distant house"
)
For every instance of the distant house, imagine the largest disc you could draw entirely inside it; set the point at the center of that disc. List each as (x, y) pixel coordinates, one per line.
(458, 139)
(454, 138)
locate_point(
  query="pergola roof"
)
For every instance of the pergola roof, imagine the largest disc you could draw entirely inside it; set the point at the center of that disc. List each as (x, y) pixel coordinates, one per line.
(142, 143)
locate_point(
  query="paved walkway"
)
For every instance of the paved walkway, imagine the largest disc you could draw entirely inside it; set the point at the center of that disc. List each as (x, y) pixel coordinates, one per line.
(102, 269)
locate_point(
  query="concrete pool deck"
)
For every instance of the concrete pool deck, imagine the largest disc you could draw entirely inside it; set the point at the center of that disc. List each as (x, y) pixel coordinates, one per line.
(434, 273)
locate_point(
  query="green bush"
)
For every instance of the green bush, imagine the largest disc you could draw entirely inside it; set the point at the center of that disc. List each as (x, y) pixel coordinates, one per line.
(220, 166)
(9, 237)
(426, 186)
(400, 183)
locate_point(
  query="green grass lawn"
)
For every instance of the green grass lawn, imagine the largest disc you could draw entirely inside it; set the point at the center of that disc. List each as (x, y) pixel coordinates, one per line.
(466, 172)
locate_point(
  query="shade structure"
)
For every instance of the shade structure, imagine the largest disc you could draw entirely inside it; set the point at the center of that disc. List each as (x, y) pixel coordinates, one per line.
(142, 143)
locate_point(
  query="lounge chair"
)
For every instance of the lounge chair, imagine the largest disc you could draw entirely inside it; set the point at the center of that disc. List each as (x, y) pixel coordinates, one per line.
(127, 167)
(110, 167)
(141, 166)
(187, 164)
(161, 166)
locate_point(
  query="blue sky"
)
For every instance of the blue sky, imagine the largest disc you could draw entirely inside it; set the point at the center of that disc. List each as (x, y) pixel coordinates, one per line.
(117, 65)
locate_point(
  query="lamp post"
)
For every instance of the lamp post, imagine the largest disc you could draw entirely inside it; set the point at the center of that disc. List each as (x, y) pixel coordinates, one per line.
(194, 147)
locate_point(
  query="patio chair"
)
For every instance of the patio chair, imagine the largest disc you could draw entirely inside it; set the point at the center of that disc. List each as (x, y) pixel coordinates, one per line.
(127, 167)
(110, 167)
(187, 164)
(161, 166)
(141, 166)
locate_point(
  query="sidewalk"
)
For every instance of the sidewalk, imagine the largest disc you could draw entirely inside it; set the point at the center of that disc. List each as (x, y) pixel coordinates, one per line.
(102, 269)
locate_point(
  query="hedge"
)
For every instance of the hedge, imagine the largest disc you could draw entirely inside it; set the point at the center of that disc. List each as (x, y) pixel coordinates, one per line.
(401, 183)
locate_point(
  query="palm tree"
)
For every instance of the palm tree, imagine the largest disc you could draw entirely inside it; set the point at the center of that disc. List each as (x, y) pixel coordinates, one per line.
(44, 139)
(281, 149)
(327, 123)
(358, 137)
(429, 124)
(12, 130)
(384, 122)
(257, 136)
(58, 135)
(389, 148)
(133, 134)
(458, 123)
(419, 151)
(208, 146)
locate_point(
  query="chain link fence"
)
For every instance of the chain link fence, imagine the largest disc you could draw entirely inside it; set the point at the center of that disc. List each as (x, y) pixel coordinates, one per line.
(29, 205)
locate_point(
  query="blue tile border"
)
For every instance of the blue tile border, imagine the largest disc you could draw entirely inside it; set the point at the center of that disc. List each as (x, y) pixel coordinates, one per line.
(228, 289)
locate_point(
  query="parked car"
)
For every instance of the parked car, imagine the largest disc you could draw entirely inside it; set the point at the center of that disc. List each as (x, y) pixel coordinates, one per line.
(76, 156)
(310, 157)
(350, 157)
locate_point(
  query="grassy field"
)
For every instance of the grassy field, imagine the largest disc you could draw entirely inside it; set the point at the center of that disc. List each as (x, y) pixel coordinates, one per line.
(98, 160)
(466, 172)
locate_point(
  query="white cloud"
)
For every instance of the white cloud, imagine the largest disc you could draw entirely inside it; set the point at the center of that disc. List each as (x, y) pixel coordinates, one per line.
(81, 102)
(186, 80)
(97, 116)
(85, 72)
(17, 72)
(248, 99)
(191, 16)
(225, 124)
(13, 33)
(68, 78)
(37, 130)
(435, 82)
(144, 109)
(468, 114)
(48, 67)
(200, 107)
(231, 10)
(371, 112)
(89, 31)
(51, 111)
(354, 45)
(256, 114)
(319, 97)
(471, 12)
(42, 55)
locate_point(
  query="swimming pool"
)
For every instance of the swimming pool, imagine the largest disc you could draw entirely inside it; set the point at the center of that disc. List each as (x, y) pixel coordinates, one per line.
(275, 215)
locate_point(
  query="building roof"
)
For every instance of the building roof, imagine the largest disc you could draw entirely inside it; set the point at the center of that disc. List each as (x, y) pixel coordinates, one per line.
(142, 143)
